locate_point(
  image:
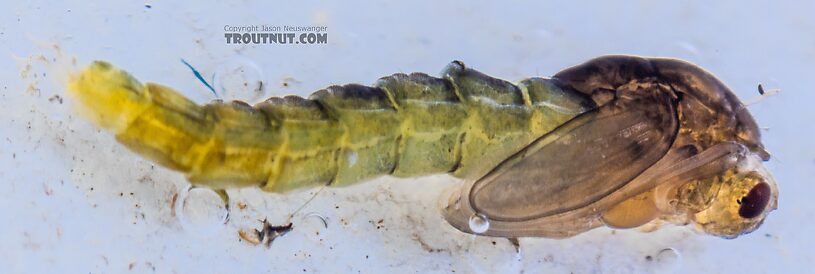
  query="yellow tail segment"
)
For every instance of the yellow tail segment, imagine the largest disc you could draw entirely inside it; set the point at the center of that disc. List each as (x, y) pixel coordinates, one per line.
(404, 125)
(167, 128)
(110, 97)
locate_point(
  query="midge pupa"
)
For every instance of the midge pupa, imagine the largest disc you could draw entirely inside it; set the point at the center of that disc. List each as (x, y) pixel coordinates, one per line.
(618, 141)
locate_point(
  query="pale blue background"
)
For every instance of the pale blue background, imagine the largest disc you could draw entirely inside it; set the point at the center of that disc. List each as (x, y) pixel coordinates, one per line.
(61, 179)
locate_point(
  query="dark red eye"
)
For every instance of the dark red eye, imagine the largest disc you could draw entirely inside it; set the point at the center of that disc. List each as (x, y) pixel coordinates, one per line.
(755, 201)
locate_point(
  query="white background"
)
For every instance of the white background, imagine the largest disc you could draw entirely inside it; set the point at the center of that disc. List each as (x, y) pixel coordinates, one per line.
(74, 201)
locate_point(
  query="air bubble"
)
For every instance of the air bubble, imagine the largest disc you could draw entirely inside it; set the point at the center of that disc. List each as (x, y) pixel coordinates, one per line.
(201, 211)
(479, 223)
(668, 257)
(666, 261)
(239, 79)
(352, 158)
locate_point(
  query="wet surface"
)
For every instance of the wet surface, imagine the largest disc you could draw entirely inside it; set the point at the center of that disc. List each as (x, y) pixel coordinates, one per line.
(65, 184)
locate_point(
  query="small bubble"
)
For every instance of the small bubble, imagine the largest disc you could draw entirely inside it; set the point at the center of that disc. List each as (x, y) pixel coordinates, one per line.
(352, 158)
(315, 219)
(668, 257)
(239, 79)
(201, 211)
(479, 223)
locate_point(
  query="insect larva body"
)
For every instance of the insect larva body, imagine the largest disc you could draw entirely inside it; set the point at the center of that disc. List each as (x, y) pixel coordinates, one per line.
(405, 126)
(619, 140)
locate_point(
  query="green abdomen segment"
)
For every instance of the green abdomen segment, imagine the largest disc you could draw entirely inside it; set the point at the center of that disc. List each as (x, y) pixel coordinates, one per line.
(410, 125)
(464, 123)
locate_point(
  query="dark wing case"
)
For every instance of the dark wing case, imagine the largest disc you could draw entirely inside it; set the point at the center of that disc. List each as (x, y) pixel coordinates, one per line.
(560, 184)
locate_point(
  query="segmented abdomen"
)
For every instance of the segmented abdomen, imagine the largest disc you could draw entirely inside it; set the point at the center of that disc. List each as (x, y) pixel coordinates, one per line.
(408, 125)
(464, 123)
